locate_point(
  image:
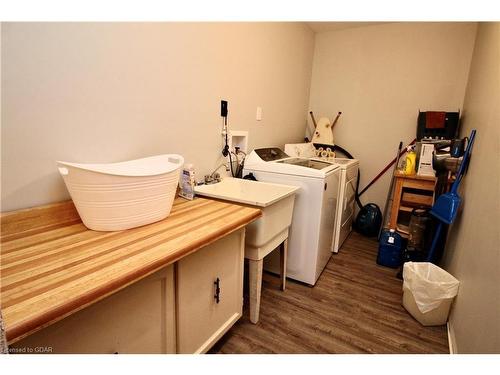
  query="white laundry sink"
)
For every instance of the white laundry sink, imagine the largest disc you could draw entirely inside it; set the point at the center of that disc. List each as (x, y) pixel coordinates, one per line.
(276, 202)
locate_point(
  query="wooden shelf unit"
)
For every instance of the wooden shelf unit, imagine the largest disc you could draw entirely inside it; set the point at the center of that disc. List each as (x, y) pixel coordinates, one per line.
(410, 191)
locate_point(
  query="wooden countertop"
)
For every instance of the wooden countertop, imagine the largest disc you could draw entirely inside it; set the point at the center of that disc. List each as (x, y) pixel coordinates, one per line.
(414, 176)
(51, 265)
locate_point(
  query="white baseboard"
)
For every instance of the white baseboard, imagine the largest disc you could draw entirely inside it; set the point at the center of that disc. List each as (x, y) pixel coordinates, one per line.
(451, 339)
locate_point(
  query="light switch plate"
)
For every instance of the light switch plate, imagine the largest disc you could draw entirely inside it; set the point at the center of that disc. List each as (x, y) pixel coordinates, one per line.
(258, 114)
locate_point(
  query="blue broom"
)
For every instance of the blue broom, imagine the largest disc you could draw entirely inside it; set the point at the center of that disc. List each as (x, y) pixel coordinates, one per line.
(446, 206)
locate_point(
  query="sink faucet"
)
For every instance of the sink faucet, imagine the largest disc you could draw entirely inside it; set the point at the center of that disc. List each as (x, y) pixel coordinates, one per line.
(214, 177)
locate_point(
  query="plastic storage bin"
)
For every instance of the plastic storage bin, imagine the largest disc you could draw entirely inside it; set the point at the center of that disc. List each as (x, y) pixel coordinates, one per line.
(428, 292)
(390, 249)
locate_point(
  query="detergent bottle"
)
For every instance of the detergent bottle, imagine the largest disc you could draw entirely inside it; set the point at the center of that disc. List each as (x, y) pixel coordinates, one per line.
(390, 249)
(187, 182)
(411, 158)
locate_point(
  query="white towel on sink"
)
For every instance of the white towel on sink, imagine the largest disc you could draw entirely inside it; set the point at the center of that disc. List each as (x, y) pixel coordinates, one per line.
(3, 341)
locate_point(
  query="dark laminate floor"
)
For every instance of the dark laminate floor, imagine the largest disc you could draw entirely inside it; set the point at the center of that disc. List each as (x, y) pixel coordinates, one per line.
(355, 307)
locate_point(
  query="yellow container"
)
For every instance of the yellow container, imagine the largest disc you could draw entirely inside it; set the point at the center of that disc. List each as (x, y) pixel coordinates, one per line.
(411, 158)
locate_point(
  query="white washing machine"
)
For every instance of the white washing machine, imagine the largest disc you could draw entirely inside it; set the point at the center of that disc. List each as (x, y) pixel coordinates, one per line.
(347, 191)
(314, 215)
(346, 201)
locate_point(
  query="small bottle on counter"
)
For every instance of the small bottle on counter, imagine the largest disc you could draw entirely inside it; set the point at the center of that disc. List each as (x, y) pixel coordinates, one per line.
(187, 182)
(411, 157)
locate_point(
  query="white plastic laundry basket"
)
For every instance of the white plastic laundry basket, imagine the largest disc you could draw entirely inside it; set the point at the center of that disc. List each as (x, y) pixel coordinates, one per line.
(117, 196)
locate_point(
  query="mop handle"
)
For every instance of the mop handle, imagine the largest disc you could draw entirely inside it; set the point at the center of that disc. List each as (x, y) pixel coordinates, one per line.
(465, 159)
(395, 160)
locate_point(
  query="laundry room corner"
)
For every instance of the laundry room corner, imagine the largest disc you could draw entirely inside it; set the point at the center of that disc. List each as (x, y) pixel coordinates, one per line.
(379, 76)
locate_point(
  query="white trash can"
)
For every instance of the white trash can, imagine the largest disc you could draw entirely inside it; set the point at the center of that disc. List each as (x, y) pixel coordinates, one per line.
(428, 292)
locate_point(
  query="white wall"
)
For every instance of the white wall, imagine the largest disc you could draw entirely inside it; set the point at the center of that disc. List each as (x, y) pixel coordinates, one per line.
(105, 92)
(473, 252)
(379, 77)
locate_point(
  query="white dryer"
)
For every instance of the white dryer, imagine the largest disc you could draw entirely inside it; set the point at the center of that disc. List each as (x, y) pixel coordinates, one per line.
(346, 201)
(314, 215)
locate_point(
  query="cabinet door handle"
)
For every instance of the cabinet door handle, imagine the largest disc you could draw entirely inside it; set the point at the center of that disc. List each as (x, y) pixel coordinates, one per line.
(217, 290)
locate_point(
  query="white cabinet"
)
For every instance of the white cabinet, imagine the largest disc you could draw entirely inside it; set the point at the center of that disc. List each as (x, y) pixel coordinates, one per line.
(209, 293)
(137, 319)
(174, 310)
